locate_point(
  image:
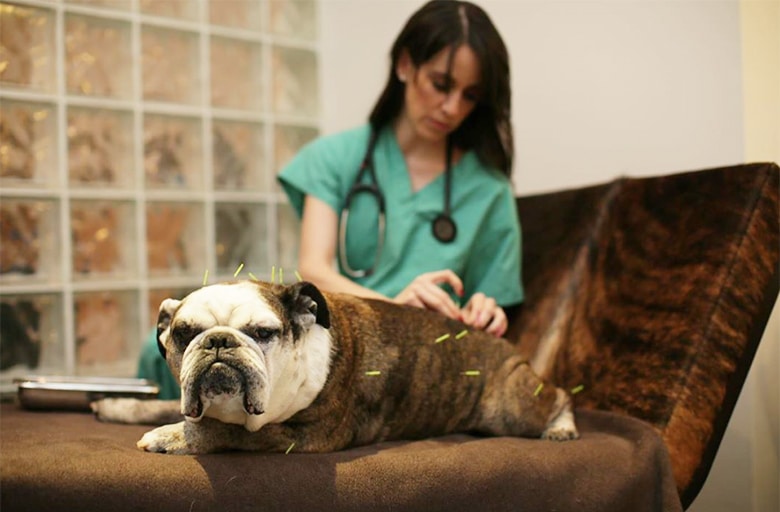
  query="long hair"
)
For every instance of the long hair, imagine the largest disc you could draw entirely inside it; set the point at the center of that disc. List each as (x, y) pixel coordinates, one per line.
(443, 24)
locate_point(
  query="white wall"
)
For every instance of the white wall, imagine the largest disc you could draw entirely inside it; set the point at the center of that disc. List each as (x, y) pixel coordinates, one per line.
(601, 89)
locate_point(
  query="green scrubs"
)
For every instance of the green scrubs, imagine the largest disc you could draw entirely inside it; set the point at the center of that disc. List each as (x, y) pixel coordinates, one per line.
(152, 366)
(485, 253)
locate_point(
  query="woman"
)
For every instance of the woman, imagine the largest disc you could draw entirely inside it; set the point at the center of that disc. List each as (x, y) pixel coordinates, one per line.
(447, 99)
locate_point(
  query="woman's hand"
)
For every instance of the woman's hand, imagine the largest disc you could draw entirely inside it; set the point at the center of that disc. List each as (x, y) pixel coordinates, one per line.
(426, 292)
(482, 312)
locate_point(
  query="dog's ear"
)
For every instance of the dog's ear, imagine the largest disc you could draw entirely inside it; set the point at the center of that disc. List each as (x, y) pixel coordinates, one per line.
(167, 308)
(306, 305)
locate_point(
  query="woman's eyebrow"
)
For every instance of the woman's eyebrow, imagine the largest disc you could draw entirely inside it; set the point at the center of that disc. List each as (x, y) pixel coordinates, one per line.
(443, 75)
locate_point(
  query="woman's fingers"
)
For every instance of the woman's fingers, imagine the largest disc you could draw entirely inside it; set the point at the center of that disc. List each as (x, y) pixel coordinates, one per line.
(482, 312)
(426, 292)
(434, 298)
(498, 325)
(445, 276)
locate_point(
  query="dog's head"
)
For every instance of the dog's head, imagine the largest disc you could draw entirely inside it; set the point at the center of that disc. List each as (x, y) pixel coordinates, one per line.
(247, 352)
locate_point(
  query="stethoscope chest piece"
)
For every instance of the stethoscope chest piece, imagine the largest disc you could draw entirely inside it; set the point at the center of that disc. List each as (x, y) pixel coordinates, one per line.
(444, 228)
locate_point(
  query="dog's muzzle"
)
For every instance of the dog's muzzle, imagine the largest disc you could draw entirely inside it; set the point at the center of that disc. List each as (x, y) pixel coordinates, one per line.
(221, 370)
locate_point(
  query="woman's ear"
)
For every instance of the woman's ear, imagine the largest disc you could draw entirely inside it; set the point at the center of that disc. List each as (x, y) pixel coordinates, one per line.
(404, 67)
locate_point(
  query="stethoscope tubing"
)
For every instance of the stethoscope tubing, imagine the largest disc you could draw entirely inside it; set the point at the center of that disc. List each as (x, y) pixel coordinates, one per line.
(443, 226)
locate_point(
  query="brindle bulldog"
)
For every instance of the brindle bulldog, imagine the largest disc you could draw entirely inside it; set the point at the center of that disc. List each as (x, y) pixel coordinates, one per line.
(269, 367)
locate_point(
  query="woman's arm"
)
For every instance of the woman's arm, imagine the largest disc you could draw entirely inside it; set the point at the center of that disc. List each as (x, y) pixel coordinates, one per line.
(319, 233)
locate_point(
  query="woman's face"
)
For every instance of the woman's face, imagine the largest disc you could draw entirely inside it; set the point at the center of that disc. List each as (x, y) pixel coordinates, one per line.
(437, 100)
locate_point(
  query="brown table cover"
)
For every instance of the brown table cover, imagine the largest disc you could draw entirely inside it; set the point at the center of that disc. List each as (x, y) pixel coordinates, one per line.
(71, 461)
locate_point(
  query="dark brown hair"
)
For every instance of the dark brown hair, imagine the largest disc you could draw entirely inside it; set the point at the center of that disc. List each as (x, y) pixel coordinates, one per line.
(451, 23)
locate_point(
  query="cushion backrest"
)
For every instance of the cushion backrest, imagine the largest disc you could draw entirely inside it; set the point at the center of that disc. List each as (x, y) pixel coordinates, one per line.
(652, 294)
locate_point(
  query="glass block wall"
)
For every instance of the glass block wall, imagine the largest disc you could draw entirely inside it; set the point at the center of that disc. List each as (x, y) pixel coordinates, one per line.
(139, 141)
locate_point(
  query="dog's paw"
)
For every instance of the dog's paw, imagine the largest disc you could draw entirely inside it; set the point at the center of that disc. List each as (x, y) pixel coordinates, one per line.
(562, 428)
(560, 434)
(166, 439)
(115, 410)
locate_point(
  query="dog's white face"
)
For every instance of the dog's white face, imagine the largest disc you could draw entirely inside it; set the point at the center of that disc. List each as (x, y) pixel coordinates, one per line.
(246, 352)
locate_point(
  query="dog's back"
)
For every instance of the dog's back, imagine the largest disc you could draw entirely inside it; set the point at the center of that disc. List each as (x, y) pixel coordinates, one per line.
(413, 373)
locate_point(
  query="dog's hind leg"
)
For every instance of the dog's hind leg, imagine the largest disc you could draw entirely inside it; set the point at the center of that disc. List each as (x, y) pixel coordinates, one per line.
(561, 426)
(516, 402)
(135, 411)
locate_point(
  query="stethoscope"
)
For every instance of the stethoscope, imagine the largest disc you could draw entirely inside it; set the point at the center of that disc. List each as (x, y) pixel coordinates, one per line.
(443, 226)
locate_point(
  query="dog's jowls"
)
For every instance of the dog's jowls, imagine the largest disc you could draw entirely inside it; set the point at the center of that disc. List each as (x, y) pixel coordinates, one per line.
(266, 367)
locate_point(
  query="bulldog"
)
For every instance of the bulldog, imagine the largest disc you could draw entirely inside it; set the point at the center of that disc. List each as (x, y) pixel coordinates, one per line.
(273, 367)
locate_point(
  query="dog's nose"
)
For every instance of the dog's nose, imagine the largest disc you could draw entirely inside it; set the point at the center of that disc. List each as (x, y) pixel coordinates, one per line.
(219, 340)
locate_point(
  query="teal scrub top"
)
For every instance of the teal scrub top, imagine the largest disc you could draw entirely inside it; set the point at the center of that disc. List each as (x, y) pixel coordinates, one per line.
(486, 253)
(152, 366)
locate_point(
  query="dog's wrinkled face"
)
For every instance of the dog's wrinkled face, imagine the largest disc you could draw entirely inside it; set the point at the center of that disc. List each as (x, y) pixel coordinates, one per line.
(248, 352)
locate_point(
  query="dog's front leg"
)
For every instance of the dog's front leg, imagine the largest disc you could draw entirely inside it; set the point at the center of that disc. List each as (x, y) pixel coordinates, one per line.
(168, 439)
(191, 438)
(210, 435)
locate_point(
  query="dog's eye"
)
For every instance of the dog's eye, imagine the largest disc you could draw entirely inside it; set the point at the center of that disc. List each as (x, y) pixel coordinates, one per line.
(184, 334)
(262, 334)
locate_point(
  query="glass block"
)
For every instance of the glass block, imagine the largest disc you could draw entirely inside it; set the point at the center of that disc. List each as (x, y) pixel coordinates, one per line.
(27, 54)
(170, 65)
(31, 336)
(175, 238)
(29, 240)
(242, 237)
(289, 233)
(238, 156)
(103, 238)
(181, 9)
(97, 57)
(244, 14)
(100, 147)
(107, 333)
(296, 18)
(157, 295)
(172, 152)
(124, 5)
(288, 140)
(28, 144)
(295, 82)
(236, 74)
